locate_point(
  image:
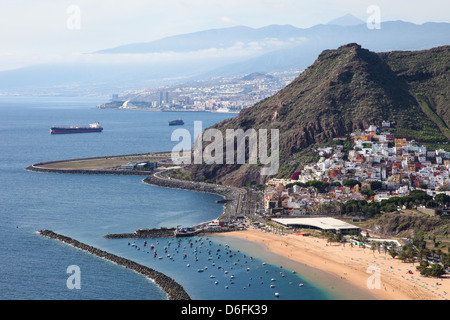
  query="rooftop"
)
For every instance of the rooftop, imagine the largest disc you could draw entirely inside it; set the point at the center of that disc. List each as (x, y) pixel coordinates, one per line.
(329, 224)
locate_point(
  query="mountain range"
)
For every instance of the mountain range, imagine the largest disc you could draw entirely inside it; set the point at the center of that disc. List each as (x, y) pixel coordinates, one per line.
(213, 53)
(345, 89)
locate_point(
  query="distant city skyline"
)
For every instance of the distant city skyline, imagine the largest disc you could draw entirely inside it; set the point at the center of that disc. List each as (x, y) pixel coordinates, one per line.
(33, 32)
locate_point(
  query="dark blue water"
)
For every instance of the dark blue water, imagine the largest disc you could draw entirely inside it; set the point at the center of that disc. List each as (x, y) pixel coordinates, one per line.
(88, 207)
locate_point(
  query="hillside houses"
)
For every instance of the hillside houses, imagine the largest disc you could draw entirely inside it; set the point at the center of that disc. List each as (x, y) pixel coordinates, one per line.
(397, 165)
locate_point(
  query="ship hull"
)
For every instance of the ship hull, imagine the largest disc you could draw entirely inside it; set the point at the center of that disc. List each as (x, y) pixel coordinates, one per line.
(58, 130)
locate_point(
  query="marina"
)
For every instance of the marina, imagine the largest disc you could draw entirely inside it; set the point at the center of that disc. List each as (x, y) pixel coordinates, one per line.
(224, 269)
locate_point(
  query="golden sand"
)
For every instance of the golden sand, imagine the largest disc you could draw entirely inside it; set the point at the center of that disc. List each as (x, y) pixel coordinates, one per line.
(360, 267)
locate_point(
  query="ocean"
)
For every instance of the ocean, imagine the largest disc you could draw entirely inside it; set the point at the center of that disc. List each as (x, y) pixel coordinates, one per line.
(87, 207)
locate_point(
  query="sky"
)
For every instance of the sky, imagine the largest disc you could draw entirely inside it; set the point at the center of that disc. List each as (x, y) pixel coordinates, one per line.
(36, 31)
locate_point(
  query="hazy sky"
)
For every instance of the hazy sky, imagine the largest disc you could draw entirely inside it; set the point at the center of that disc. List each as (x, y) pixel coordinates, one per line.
(33, 31)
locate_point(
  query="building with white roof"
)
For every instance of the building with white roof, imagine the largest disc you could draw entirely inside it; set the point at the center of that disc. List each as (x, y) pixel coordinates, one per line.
(325, 224)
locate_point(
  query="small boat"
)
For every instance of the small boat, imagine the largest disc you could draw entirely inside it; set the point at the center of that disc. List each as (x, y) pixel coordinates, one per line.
(178, 122)
(200, 270)
(277, 294)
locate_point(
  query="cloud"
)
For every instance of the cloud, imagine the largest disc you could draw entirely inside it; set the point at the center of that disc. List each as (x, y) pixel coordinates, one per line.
(228, 20)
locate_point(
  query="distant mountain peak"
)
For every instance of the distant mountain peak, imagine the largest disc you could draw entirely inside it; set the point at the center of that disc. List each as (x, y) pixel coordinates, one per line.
(347, 20)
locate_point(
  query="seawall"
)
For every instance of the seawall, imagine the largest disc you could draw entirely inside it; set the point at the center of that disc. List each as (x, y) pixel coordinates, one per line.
(38, 167)
(173, 290)
(81, 171)
(139, 234)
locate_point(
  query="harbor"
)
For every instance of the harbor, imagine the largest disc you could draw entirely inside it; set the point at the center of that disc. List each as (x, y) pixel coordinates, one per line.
(222, 269)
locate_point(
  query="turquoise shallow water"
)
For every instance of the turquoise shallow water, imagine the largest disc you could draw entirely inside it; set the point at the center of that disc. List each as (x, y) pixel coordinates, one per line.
(87, 207)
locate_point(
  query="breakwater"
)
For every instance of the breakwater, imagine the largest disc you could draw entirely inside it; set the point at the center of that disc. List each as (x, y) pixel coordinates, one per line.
(111, 169)
(144, 234)
(86, 171)
(169, 233)
(173, 290)
(233, 195)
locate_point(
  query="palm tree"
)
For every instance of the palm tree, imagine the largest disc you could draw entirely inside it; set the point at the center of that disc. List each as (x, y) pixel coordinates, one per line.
(385, 246)
(373, 246)
(439, 253)
(393, 253)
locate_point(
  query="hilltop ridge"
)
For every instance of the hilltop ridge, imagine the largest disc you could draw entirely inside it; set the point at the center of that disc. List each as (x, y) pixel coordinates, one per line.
(346, 89)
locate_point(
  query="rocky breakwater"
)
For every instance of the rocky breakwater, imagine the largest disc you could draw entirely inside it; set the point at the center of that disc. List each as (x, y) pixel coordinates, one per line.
(173, 290)
(144, 233)
(233, 195)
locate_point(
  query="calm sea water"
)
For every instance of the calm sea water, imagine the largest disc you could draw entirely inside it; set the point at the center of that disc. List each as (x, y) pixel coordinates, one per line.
(87, 207)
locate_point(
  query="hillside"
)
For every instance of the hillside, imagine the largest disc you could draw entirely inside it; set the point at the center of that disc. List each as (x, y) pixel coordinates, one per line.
(346, 89)
(406, 225)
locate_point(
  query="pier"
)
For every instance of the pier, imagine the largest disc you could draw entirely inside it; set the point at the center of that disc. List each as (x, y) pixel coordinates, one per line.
(173, 290)
(105, 165)
(202, 229)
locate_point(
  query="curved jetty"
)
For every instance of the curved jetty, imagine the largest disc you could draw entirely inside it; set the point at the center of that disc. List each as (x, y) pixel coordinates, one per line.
(127, 164)
(173, 290)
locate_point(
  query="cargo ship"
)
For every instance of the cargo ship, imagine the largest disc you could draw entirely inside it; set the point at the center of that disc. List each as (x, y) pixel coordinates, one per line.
(93, 127)
(178, 122)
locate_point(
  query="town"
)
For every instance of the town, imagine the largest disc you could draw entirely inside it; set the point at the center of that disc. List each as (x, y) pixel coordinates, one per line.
(368, 166)
(224, 94)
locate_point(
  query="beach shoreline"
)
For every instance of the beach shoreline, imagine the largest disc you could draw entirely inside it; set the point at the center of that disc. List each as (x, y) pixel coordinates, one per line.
(353, 265)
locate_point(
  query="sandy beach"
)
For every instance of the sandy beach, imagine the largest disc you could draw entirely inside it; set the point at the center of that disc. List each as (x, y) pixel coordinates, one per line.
(374, 272)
